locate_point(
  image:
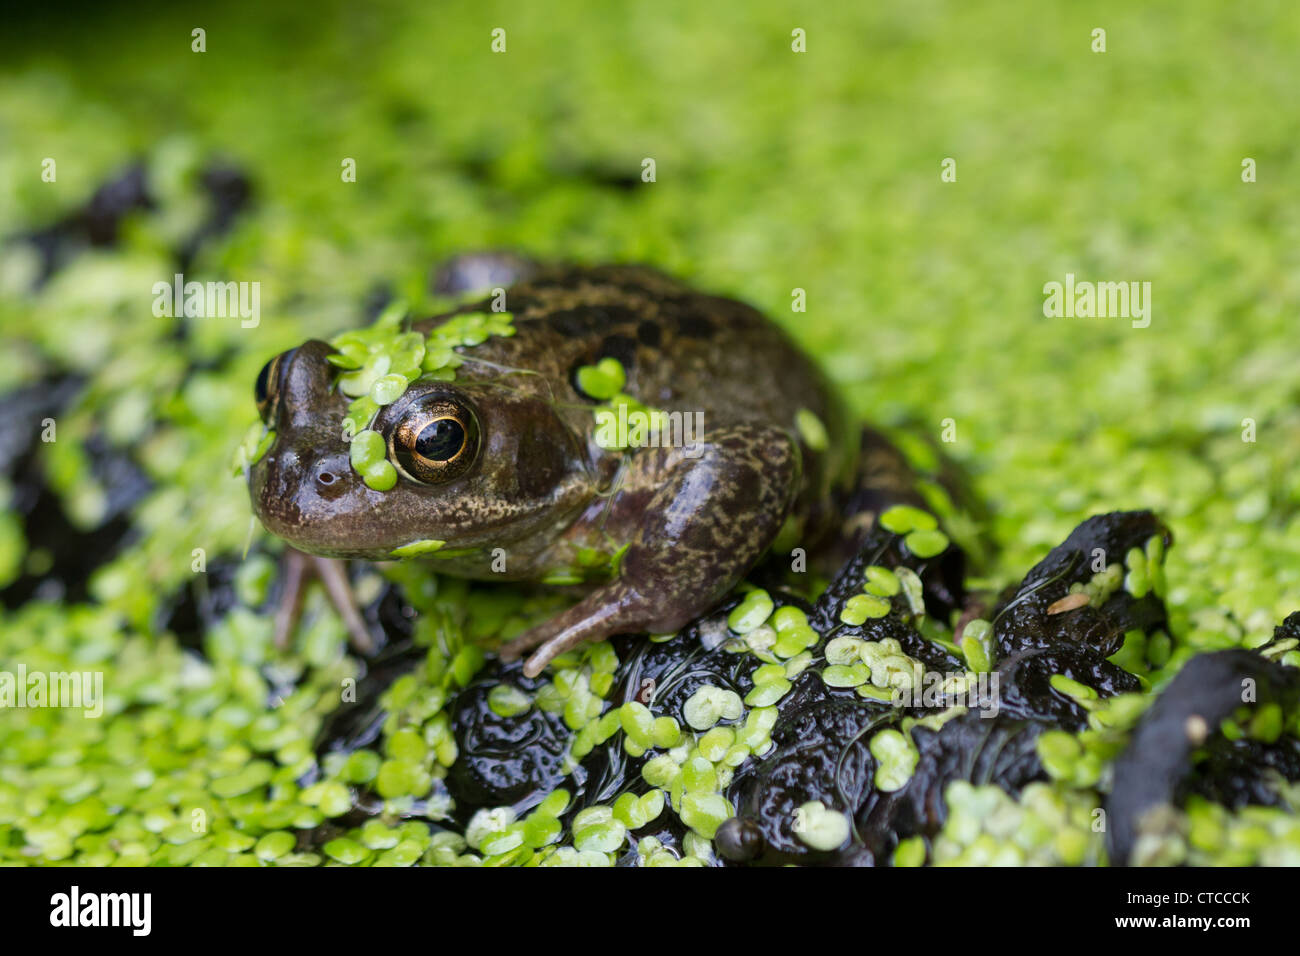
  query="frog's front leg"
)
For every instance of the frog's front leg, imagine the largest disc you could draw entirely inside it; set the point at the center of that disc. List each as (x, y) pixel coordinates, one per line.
(699, 518)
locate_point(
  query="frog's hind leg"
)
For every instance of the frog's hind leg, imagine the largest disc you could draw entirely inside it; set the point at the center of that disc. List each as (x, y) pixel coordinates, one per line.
(293, 587)
(838, 527)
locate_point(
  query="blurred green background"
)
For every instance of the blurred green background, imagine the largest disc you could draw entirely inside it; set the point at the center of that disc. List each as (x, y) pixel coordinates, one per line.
(775, 170)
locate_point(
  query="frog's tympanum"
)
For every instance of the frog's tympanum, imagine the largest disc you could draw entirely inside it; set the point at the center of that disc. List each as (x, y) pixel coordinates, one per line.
(511, 439)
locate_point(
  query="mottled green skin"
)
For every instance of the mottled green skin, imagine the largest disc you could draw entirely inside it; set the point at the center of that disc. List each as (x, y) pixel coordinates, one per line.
(542, 489)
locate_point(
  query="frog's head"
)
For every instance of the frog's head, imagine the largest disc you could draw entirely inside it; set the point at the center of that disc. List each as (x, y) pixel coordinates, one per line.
(478, 465)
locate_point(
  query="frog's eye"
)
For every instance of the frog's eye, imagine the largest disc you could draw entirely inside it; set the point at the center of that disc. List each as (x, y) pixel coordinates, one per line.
(267, 389)
(436, 440)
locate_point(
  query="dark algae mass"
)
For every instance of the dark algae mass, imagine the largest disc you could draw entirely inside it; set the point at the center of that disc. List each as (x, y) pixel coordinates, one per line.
(333, 533)
(807, 751)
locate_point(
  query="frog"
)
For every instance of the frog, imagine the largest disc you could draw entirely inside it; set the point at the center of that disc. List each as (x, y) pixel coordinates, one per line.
(503, 473)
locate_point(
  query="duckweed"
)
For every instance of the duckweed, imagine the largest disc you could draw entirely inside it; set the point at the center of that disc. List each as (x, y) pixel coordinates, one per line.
(926, 543)
(881, 582)
(752, 612)
(603, 380)
(768, 693)
(896, 758)
(821, 828)
(710, 704)
(508, 701)
(863, 607)
(910, 852)
(417, 548)
(704, 812)
(988, 827)
(812, 430)
(905, 519)
(977, 645)
(852, 675)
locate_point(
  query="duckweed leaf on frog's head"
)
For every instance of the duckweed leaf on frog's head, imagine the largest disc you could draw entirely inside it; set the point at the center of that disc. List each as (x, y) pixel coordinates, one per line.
(381, 361)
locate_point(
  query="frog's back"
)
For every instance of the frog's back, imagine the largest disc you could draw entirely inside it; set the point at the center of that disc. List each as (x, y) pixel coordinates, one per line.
(681, 350)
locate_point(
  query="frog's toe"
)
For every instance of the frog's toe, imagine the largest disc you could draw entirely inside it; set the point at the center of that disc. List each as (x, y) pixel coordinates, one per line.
(293, 578)
(549, 651)
(525, 642)
(299, 568)
(334, 577)
(551, 640)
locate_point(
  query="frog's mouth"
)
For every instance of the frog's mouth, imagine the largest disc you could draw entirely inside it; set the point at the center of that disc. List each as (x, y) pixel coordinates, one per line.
(322, 506)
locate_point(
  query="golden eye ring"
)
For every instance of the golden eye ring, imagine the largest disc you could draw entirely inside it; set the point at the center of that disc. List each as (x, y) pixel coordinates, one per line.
(434, 441)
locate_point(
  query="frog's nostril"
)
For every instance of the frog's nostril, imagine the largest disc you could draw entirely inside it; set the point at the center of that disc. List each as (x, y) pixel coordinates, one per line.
(331, 479)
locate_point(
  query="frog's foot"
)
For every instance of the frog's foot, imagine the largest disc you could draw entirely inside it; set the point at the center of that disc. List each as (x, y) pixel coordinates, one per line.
(613, 609)
(298, 571)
